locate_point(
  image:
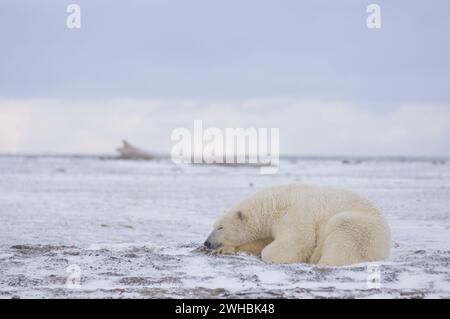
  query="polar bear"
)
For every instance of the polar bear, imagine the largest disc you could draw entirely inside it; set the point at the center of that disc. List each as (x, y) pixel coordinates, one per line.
(304, 224)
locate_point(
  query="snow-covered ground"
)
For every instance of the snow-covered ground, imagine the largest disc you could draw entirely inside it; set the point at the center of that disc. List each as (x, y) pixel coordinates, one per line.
(131, 230)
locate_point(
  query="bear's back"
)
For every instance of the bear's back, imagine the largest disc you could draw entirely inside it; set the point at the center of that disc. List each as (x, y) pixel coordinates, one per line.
(322, 201)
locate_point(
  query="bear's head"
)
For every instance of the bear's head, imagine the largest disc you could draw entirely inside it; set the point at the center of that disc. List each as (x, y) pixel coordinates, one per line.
(235, 228)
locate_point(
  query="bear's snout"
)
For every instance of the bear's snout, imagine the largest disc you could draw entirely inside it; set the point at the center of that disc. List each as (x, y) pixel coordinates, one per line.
(211, 245)
(211, 242)
(208, 244)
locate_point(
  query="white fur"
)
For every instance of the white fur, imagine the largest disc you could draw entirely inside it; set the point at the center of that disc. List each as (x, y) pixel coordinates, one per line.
(305, 224)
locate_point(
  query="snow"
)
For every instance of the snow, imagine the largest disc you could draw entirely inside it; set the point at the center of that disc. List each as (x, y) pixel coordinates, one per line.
(133, 228)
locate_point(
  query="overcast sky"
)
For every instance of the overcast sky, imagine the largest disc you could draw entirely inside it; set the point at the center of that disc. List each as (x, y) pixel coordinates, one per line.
(138, 69)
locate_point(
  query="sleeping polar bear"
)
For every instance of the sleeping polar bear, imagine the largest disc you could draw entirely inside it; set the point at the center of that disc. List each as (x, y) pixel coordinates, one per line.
(304, 224)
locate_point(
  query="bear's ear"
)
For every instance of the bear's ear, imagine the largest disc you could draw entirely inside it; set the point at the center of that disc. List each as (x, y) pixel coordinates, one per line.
(240, 215)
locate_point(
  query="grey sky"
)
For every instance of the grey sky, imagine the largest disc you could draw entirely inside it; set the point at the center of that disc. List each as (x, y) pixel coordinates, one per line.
(226, 49)
(138, 69)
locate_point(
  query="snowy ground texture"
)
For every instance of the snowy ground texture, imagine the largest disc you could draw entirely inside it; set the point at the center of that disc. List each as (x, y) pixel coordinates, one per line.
(131, 230)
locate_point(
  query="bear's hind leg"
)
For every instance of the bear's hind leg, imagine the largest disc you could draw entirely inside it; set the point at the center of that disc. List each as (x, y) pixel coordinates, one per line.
(354, 237)
(339, 249)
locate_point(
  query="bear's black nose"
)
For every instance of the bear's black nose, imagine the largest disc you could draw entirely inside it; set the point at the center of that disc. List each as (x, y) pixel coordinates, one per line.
(207, 244)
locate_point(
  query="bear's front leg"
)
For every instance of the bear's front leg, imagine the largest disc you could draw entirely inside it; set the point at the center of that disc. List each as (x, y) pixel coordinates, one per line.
(225, 250)
(255, 247)
(285, 252)
(294, 240)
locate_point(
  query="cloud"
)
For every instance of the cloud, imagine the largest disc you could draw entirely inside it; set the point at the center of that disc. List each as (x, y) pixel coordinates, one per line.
(307, 127)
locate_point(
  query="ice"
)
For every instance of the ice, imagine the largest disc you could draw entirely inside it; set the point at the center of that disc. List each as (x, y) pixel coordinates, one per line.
(132, 228)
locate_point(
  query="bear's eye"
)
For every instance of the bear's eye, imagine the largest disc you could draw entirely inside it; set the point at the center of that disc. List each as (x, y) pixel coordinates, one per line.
(220, 227)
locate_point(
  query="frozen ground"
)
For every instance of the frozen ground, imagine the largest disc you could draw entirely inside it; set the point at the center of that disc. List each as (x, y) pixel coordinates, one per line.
(131, 230)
